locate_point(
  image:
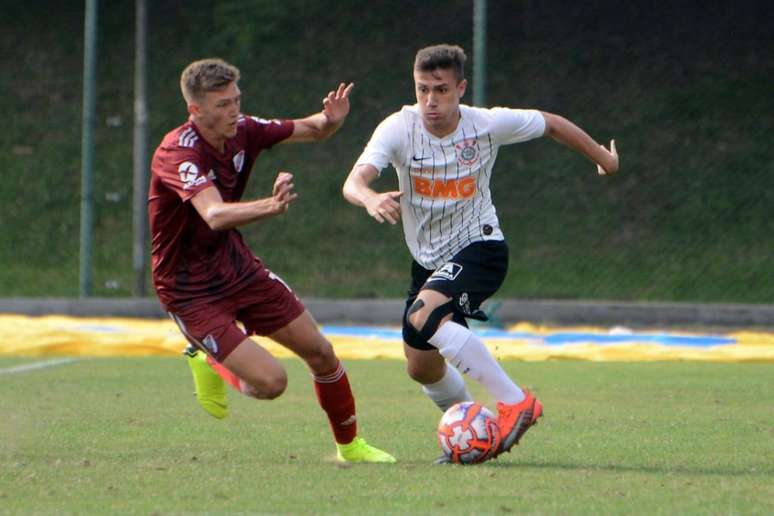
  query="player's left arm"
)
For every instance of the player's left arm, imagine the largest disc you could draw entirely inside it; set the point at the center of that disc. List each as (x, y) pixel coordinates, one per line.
(322, 125)
(221, 216)
(569, 134)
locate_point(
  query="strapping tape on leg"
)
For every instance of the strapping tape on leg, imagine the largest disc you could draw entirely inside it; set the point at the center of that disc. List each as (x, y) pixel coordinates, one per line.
(433, 320)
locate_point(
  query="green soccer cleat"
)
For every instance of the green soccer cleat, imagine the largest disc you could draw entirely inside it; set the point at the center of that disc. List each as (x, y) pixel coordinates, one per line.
(210, 387)
(360, 451)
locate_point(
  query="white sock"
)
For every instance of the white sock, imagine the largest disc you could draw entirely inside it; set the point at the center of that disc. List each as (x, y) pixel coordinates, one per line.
(448, 390)
(462, 349)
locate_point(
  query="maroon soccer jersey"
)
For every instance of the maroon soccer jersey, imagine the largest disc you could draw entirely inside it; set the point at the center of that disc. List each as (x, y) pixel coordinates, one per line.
(191, 262)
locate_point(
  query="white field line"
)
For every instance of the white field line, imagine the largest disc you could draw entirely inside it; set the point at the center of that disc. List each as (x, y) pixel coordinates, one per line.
(37, 365)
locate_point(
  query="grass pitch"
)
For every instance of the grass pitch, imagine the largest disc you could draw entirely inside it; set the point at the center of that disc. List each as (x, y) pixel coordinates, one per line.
(126, 436)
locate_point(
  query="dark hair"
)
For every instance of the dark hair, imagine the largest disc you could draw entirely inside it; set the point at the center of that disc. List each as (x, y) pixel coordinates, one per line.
(206, 75)
(441, 56)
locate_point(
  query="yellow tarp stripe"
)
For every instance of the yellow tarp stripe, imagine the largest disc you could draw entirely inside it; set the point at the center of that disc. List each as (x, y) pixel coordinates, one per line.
(77, 336)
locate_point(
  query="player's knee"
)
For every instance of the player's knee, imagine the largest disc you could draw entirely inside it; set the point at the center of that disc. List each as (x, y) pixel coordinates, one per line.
(426, 319)
(322, 358)
(275, 385)
(268, 387)
(417, 319)
(417, 315)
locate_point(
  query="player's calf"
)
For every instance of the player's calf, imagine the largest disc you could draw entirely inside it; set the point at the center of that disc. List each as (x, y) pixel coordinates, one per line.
(321, 358)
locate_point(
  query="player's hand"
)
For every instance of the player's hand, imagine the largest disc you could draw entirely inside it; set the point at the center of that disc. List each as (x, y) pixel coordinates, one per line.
(282, 179)
(336, 104)
(385, 206)
(612, 165)
(282, 192)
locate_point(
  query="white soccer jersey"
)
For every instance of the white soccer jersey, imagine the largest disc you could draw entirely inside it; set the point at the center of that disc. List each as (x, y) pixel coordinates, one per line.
(446, 203)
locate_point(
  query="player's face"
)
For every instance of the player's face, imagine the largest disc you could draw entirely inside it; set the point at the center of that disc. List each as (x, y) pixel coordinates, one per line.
(438, 96)
(217, 113)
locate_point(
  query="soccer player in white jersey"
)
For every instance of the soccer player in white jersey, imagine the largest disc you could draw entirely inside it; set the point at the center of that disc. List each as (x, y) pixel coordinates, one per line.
(444, 153)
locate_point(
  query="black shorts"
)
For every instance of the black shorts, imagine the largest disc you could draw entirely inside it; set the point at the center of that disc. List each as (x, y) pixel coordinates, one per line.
(471, 276)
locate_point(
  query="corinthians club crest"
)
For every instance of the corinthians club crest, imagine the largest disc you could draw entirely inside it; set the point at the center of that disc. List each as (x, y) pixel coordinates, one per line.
(467, 152)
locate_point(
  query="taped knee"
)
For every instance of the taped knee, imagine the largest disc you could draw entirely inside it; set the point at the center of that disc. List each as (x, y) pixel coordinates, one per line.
(433, 320)
(414, 339)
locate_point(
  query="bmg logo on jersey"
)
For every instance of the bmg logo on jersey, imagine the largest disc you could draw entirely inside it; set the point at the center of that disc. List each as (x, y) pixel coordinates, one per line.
(462, 188)
(448, 271)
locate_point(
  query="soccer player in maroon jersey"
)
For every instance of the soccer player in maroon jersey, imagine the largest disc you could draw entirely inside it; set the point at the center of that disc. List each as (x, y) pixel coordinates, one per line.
(205, 275)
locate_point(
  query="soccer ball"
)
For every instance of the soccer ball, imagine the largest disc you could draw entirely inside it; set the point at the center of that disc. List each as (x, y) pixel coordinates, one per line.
(468, 433)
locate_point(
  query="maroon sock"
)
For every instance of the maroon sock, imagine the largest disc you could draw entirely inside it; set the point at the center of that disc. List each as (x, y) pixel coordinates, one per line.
(335, 397)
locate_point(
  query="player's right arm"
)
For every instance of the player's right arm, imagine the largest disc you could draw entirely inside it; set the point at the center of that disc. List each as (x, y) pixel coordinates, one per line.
(381, 206)
(220, 215)
(382, 149)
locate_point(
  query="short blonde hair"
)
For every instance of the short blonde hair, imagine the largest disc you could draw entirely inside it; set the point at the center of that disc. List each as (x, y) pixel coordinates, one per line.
(206, 75)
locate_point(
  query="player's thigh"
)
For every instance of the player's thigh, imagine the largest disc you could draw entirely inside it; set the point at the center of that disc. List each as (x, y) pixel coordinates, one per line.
(303, 337)
(267, 305)
(471, 276)
(429, 301)
(258, 368)
(271, 309)
(421, 301)
(411, 336)
(425, 366)
(211, 328)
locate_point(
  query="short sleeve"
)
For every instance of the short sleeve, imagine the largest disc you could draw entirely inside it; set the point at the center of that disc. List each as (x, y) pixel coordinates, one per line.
(517, 125)
(384, 146)
(264, 134)
(183, 173)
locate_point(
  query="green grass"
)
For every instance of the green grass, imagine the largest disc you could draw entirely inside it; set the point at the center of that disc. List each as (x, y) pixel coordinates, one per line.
(125, 435)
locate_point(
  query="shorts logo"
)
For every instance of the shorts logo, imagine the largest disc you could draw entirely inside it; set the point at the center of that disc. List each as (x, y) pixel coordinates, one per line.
(189, 175)
(467, 152)
(211, 344)
(239, 161)
(464, 303)
(449, 271)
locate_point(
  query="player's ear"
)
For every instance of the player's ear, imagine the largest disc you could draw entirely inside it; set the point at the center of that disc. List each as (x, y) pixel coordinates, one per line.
(193, 108)
(461, 87)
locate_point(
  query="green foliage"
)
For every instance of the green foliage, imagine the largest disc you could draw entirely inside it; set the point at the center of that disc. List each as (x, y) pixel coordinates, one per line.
(126, 436)
(683, 90)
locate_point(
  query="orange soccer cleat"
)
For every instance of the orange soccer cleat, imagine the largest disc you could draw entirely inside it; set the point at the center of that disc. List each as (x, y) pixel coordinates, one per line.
(515, 420)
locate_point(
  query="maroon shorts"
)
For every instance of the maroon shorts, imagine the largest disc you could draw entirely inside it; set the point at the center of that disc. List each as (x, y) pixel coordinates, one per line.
(263, 307)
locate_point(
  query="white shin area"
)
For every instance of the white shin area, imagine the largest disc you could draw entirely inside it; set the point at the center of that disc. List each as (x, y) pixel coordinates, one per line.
(448, 390)
(466, 352)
